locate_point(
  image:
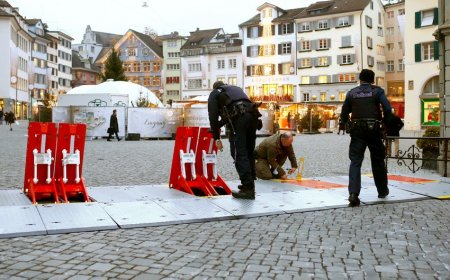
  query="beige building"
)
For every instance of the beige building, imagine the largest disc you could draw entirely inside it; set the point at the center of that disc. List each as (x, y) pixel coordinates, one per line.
(394, 22)
(421, 65)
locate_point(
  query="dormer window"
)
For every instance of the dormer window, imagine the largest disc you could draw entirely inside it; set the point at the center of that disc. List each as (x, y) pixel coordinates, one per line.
(194, 44)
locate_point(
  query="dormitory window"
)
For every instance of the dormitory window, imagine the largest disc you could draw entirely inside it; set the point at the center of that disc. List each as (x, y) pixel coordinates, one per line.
(286, 48)
(221, 64)
(343, 21)
(427, 51)
(305, 27)
(132, 51)
(322, 24)
(346, 59)
(349, 77)
(323, 44)
(196, 83)
(232, 63)
(195, 67)
(306, 97)
(305, 45)
(305, 62)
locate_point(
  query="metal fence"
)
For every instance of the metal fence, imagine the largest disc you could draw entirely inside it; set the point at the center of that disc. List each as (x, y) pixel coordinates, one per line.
(423, 153)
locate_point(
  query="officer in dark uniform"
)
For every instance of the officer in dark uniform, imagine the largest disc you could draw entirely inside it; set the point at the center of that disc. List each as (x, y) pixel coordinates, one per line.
(234, 108)
(363, 102)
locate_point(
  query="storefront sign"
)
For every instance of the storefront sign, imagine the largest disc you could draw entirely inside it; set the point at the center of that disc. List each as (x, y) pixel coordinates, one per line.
(154, 122)
(430, 112)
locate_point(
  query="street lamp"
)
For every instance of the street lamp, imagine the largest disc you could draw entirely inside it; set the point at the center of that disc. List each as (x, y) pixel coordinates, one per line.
(14, 82)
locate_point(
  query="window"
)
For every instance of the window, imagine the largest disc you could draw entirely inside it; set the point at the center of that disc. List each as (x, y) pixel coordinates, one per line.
(370, 60)
(369, 42)
(172, 43)
(323, 44)
(269, 69)
(194, 67)
(221, 64)
(286, 69)
(343, 21)
(390, 14)
(306, 80)
(427, 51)
(221, 79)
(254, 70)
(342, 95)
(368, 21)
(322, 61)
(346, 78)
(254, 51)
(432, 86)
(347, 59)
(322, 24)
(232, 63)
(132, 51)
(286, 48)
(305, 62)
(146, 66)
(427, 18)
(323, 79)
(401, 12)
(380, 81)
(173, 92)
(389, 31)
(268, 31)
(172, 80)
(371, 5)
(305, 45)
(400, 45)
(306, 97)
(380, 50)
(401, 65)
(323, 96)
(156, 66)
(174, 54)
(380, 31)
(136, 67)
(195, 83)
(92, 49)
(390, 46)
(381, 66)
(232, 81)
(305, 27)
(173, 66)
(379, 18)
(346, 41)
(267, 50)
(286, 28)
(390, 66)
(254, 32)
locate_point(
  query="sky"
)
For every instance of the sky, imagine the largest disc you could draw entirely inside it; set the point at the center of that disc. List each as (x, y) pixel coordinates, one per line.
(164, 16)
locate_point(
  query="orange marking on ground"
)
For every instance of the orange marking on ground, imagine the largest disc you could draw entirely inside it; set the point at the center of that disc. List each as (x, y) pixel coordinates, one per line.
(412, 180)
(316, 184)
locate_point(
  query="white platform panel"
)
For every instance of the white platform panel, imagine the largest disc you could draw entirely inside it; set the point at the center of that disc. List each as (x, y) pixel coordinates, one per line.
(20, 221)
(13, 198)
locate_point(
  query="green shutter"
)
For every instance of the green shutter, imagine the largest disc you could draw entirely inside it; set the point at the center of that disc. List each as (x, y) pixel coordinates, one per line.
(436, 50)
(418, 19)
(436, 16)
(418, 52)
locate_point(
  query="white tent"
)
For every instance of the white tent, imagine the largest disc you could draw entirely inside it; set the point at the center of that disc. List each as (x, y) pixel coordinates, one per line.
(119, 91)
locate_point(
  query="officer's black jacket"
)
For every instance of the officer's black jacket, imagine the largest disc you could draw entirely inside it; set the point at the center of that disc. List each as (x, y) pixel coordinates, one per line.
(364, 103)
(218, 98)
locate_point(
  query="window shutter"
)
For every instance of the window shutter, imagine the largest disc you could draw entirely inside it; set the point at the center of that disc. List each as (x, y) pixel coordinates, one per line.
(335, 78)
(313, 25)
(260, 30)
(339, 59)
(249, 71)
(298, 45)
(350, 20)
(367, 20)
(299, 27)
(299, 63)
(418, 52)
(333, 22)
(314, 61)
(249, 29)
(280, 48)
(279, 28)
(436, 16)
(280, 69)
(418, 19)
(328, 43)
(291, 28)
(329, 60)
(436, 50)
(346, 41)
(313, 79)
(329, 79)
(273, 29)
(248, 51)
(352, 58)
(313, 44)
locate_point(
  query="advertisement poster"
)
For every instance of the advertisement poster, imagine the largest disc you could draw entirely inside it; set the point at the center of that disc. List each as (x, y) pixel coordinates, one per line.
(61, 115)
(97, 119)
(154, 122)
(430, 112)
(267, 121)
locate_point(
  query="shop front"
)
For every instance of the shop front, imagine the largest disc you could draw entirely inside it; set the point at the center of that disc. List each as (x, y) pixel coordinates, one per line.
(430, 112)
(271, 89)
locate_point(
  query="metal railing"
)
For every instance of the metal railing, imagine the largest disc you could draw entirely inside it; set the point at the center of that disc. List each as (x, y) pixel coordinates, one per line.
(414, 157)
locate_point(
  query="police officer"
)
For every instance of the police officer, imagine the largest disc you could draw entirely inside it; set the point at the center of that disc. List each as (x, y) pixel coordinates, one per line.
(363, 102)
(233, 107)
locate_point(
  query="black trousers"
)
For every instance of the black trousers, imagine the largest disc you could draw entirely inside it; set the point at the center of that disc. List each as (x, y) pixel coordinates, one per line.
(242, 145)
(111, 133)
(361, 139)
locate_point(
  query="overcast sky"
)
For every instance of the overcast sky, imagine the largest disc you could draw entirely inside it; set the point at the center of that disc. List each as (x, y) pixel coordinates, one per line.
(164, 16)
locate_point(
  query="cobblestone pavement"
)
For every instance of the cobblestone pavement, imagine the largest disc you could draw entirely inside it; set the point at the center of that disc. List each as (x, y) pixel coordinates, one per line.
(402, 240)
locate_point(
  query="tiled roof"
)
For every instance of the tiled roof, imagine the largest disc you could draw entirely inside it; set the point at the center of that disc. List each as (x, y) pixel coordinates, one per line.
(289, 15)
(5, 4)
(200, 37)
(32, 21)
(173, 35)
(333, 7)
(102, 53)
(106, 39)
(149, 42)
(5, 14)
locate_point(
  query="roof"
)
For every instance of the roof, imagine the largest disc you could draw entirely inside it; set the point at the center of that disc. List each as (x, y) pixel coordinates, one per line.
(106, 39)
(200, 37)
(173, 35)
(5, 14)
(252, 21)
(62, 34)
(290, 15)
(50, 37)
(5, 4)
(149, 42)
(333, 7)
(32, 21)
(102, 53)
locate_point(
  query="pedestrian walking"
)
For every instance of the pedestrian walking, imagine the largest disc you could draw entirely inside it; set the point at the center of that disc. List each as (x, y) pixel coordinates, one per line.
(1, 116)
(341, 126)
(363, 102)
(393, 129)
(10, 118)
(113, 126)
(234, 108)
(271, 154)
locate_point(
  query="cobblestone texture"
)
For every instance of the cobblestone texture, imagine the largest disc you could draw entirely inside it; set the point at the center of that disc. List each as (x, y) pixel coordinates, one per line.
(392, 241)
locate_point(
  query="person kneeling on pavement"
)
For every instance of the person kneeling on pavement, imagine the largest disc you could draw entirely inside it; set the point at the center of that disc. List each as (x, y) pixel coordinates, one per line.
(271, 154)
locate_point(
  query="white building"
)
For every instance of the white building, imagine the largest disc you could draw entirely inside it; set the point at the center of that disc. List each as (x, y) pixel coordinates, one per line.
(93, 42)
(52, 63)
(64, 61)
(15, 68)
(269, 54)
(336, 40)
(208, 56)
(421, 65)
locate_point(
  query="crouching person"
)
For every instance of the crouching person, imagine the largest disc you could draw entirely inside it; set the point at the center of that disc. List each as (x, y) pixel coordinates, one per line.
(271, 154)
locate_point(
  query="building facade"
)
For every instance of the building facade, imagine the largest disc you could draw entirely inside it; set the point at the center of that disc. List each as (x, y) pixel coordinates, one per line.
(395, 52)
(336, 40)
(84, 71)
(64, 61)
(269, 54)
(208, 56)
(171, 69)
(93, 42)
(421, 65)
(15, 69)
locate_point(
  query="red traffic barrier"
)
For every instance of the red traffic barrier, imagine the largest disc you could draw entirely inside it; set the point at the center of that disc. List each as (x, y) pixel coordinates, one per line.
(39, 182)
(206, 163)
(184, 175)
(69, 162)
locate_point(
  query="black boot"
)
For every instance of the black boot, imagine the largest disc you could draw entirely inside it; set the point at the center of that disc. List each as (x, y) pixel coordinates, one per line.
(245, 192)
(354, 200)
(383, 194)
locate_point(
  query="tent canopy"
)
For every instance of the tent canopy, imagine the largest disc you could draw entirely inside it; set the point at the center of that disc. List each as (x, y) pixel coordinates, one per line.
(117, 90)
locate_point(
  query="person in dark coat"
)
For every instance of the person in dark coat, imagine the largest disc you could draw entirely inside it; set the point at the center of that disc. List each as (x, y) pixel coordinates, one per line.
(341, 127)
(1, 116)
(10, 118)
(393, 128)
(113, 126)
